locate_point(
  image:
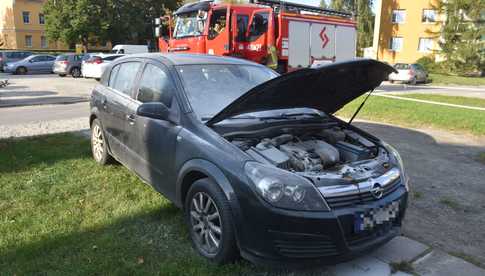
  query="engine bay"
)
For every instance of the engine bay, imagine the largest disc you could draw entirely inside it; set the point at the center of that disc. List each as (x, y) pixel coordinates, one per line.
(329, 156)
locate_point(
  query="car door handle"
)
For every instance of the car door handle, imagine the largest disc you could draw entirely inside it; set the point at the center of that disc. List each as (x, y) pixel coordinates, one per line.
(131, 119)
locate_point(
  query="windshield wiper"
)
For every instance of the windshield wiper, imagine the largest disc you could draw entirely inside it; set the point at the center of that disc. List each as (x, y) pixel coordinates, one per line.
(247, 117)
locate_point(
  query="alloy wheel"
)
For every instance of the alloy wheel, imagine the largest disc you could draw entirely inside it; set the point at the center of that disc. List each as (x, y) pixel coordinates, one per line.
(97, 141)
(205, 222)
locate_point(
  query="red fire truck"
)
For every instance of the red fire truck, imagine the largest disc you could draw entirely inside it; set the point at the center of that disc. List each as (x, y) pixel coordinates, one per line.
(283, 35)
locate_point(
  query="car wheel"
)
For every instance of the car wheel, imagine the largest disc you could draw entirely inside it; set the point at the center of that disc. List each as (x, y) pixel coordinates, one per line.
(21, 71)
(208, 214)
(99, 145)
(62, 75)
(413, 81)
(391, 81)
(75, 72)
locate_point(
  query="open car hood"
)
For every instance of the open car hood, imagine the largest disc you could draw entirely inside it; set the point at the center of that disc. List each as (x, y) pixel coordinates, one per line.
(327, 88)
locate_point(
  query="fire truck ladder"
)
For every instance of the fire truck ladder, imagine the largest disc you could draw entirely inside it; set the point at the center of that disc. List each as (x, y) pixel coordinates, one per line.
(283, 6)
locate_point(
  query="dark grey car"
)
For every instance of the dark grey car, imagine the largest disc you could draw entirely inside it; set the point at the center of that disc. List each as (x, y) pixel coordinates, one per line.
(12, 56)
(69, 64)
(258, 163)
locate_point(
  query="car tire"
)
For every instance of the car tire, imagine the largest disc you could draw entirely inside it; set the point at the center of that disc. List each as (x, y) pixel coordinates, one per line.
(210, 222)
(391, 81)
(99, 144)
(76, 72)
(62, 75)
(21, 71)
(413, 81)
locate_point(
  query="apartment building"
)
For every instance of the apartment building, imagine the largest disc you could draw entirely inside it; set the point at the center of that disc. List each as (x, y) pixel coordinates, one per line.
(22, 27)
(406, 30)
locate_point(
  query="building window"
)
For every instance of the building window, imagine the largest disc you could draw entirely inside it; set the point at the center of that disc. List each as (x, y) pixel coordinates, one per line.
(41, 19)
(396, 43)
(26, 17)
(425, 45)
(429, 16)
(28, 41)
(398, 16)
(43, 42)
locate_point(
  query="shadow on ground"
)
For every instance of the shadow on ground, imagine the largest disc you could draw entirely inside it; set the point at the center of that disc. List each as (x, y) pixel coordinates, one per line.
(9, 94)
(41, 101)
(156, 241)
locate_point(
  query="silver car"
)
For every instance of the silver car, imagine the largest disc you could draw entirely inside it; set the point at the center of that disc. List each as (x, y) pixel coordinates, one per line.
(31, 64)
(409, 73)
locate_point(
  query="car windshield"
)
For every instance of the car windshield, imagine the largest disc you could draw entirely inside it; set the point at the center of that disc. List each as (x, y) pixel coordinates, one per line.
(211, 87)
(188, 24)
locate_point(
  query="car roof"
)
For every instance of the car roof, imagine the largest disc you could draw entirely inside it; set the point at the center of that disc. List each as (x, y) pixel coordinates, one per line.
(188, 59)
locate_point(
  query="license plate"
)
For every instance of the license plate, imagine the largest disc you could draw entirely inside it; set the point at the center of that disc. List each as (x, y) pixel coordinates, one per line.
(375, 217)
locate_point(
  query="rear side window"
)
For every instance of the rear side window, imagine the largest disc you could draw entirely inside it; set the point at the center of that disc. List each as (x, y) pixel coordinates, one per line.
(49, 58)
(111, 58)
(112, 76)
(62, 58)
(155, 86)
(125, 77)
(401, 66)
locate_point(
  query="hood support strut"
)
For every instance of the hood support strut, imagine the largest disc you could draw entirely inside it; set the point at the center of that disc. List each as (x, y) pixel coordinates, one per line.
(360, 107)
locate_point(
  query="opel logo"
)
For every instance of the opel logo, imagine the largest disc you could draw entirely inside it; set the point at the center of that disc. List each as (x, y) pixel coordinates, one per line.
(376, 191)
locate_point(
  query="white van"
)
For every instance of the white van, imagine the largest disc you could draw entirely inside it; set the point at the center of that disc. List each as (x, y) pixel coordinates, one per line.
(129, 49)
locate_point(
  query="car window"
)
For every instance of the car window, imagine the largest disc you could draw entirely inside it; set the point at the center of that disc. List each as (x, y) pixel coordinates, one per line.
(111, 58)
(259, 26)
(62, 58)
(125, 77)
(401, 66)
(155, 86)
(37, 59)
(112, 76)
(49, 58)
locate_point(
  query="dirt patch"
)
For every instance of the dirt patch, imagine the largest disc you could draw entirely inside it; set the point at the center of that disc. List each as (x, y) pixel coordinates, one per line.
(446, 208)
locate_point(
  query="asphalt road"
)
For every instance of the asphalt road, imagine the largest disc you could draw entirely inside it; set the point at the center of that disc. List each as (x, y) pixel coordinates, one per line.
(474, 92)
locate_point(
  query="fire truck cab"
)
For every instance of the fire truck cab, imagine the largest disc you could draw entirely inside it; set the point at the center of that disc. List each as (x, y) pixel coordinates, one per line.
(282, 35)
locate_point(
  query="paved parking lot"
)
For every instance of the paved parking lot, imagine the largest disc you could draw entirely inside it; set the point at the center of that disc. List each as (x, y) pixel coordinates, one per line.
(446, 211)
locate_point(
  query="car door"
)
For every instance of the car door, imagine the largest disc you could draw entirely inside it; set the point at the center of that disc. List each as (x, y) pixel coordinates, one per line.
(48, 64)
(118, 96)
(152, 142)
(35, 64)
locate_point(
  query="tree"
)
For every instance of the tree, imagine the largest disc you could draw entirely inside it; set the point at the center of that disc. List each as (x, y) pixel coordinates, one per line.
(76, 21)
(342, 5)
(365, 25)
(323, 4)
(463, 35)
(118, 21)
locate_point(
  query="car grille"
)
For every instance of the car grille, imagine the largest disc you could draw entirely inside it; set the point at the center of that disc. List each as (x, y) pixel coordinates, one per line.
(359, 198)
(307, 247)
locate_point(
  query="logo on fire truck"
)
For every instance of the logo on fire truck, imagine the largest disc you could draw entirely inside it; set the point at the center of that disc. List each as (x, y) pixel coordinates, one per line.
(324, 37)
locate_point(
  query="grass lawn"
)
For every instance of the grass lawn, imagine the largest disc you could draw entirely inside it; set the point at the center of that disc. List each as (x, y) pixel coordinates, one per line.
(481, 157)
(475, 102)
(414, 114)
(440, 79)
(61, 214)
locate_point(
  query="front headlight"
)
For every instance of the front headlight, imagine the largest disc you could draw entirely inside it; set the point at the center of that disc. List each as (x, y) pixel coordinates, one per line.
(284, 189)
(397, 160)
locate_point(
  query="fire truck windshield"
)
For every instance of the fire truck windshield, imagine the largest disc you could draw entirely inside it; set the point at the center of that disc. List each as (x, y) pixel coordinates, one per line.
(189, 24)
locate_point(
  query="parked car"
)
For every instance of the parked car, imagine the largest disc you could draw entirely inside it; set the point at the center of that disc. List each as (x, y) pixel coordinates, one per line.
(12, 56)
(129, 49)
(69, 64)
(258, 163)
(96, 64)
(31, 64)
(409, 73)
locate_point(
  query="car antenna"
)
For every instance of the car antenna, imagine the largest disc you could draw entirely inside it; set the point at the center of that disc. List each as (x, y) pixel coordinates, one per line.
(360, 107)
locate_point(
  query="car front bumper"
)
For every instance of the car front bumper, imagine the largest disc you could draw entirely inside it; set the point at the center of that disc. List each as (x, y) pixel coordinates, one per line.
(8, 69)
(272, 236)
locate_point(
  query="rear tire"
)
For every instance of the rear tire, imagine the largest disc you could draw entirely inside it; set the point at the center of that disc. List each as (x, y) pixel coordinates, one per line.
(99, 144)
(21, 71)
(76, 72)
(208, 215)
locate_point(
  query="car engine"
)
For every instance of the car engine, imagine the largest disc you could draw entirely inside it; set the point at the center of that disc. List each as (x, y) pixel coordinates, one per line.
(334, 154)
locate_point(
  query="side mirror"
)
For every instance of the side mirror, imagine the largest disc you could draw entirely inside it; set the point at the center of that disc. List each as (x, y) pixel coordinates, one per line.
(31, 60)
(155, 110)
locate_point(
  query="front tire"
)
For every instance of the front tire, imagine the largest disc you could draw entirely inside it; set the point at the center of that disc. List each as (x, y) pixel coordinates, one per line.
(99, 145)
(208, 214)
(76, 72)
(21, 71)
